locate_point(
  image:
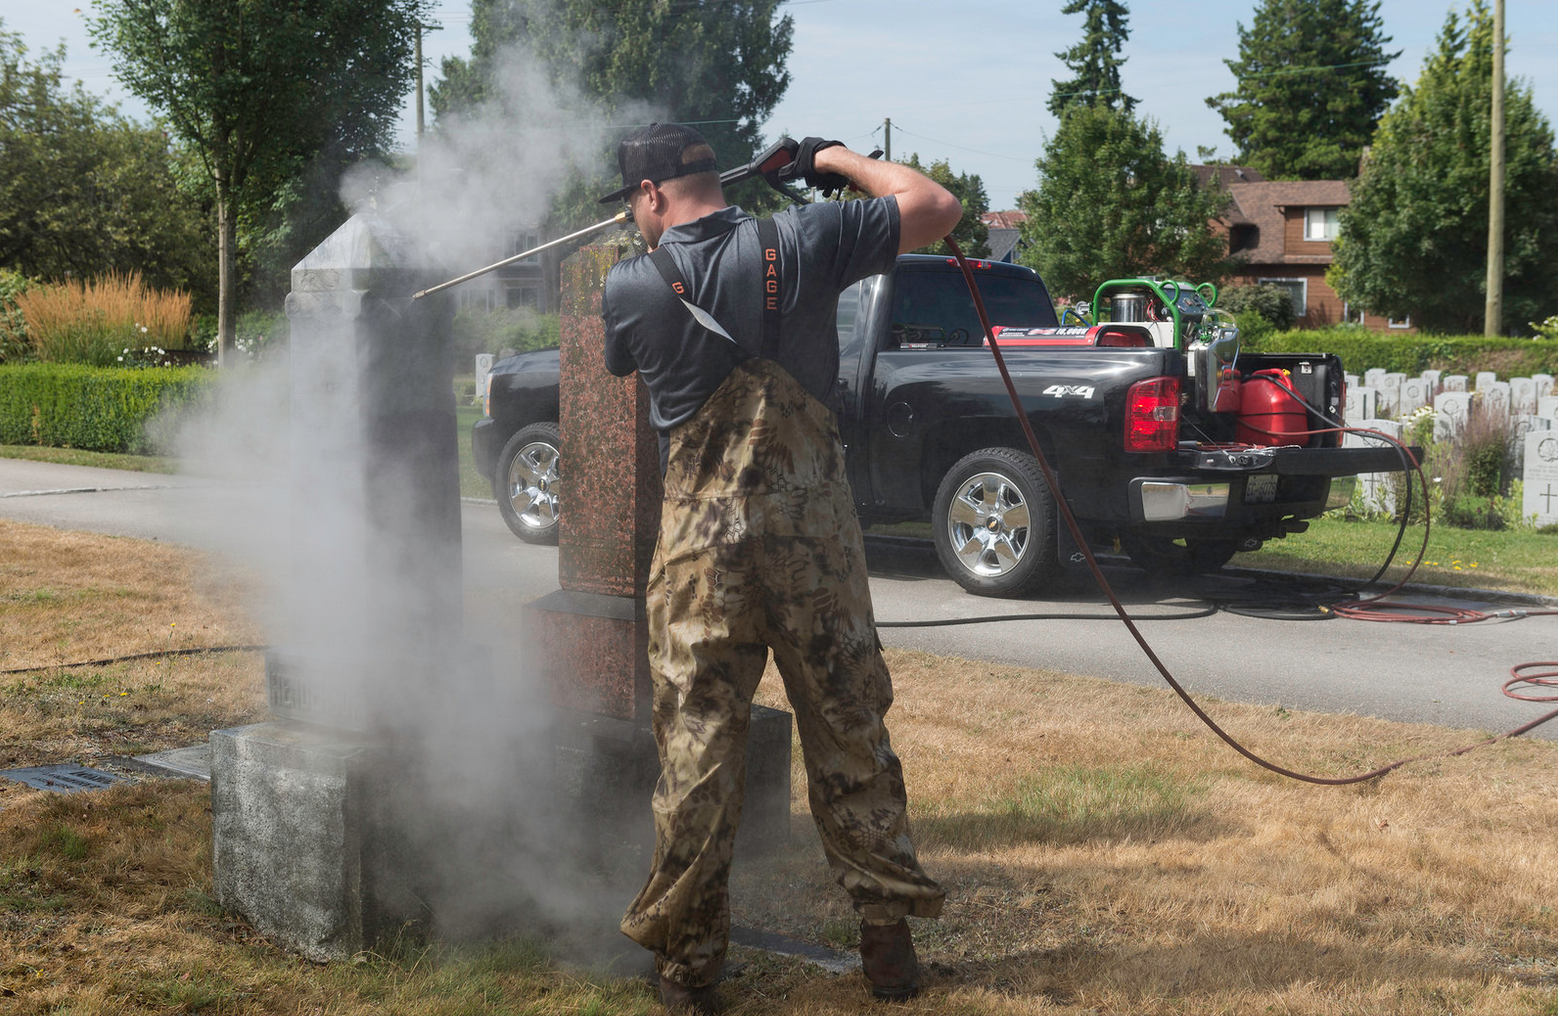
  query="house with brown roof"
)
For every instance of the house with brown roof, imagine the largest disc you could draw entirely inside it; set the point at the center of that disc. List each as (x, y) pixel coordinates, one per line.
(1282, 229)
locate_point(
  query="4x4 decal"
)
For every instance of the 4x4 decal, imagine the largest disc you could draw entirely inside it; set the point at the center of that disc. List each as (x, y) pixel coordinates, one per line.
(1076, 391)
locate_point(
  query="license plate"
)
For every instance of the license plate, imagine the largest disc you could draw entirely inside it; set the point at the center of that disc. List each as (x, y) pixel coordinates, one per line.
(1260, 489)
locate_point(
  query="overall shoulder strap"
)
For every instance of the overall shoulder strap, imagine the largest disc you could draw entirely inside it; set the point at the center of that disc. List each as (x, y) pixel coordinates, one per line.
(666, 265)
(768, 238)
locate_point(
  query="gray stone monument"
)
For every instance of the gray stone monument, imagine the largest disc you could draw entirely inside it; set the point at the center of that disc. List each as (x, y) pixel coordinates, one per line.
(305, 827)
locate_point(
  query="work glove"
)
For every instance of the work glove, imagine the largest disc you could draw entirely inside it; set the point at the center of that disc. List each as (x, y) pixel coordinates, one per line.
(804, 167)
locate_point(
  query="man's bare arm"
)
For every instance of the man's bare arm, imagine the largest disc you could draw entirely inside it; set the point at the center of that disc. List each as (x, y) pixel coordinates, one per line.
(927, 211)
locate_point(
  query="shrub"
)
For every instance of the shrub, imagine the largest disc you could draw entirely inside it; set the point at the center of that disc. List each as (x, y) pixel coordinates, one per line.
(106, 409)
(94, 322)
(1475, 471)
(255, 333)
(13, 326)
(1361, 349)
(518, 329)
(1547, 329)
(1271, 305)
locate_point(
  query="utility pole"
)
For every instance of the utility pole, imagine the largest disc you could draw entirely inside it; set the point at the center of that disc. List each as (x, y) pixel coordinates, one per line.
(1493, 313)
(887, 140)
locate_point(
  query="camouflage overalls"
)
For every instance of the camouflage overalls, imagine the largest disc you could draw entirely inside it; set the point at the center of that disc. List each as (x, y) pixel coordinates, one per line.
(760, 548)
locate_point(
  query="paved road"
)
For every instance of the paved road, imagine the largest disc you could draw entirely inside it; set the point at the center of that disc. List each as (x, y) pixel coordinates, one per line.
(1439, 674)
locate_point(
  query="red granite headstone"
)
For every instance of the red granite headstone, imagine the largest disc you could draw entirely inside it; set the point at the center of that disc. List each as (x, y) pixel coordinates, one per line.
(590, 636)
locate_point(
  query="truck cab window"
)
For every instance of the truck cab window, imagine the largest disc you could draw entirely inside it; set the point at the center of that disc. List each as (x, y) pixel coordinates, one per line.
(933, 310)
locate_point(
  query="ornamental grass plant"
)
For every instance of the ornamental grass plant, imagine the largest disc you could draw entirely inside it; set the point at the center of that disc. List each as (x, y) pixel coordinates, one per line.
(98, 321)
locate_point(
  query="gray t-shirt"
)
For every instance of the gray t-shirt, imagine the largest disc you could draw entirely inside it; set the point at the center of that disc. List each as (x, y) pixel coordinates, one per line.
(823, 248)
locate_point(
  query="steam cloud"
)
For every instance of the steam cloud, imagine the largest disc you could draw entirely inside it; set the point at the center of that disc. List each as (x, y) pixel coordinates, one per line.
(469, 761)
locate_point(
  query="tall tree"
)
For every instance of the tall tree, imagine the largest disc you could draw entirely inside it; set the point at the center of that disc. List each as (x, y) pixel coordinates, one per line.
(717, 64)
(259, 88)
(1311, 87)
(82, 189)
(1111, 204)
(971, 233)
(1095, 60)
(1414, 241)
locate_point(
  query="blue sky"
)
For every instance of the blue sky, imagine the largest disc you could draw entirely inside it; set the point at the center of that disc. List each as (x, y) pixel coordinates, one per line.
(961, 80)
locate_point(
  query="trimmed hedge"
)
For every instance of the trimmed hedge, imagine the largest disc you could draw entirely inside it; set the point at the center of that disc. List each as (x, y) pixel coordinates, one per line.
(103, 409)
(1361, 350)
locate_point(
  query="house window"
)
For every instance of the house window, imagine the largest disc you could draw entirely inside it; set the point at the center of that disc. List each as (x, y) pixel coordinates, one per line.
(1393, 323)
(518, 243)
(516, 297)
(1351, 316)
(1298, 293)
(1320, 224)
(477, 299)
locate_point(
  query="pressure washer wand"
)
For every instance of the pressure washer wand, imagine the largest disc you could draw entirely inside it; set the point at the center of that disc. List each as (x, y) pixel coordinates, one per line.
(621, 218)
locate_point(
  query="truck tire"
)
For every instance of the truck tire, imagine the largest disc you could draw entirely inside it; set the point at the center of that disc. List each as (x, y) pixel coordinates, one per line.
(993, 523)
(527, 481)
(1159, 555)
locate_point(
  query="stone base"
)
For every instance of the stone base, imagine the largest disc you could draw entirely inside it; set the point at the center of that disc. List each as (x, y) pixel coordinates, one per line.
(306, 843)
(292, 820)
(607, 769)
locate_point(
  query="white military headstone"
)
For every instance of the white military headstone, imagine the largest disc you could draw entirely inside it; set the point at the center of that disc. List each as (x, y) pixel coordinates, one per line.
(1390, 394)
(1453, 382)
(1519, 426)
(1415, 394)
(1376, 490)
(1495, 400)
(1372, 375)
(1522, 395)
(1485, 378)
(1544, 384)
(1432, 378)
(1547, 409)
(1360, 404)
(1451, 410)
(1541, 477)
(483, 368)
(1350, 380)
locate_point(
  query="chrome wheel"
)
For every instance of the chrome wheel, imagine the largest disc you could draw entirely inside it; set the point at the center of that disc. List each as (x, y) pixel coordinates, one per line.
(987, 524)
(528, 484)
(993, 523)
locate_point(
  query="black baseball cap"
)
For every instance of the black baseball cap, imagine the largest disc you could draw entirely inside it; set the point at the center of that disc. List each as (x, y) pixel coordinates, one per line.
(659, 152)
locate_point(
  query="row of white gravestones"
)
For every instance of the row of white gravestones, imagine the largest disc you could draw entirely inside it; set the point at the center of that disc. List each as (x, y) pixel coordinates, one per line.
(1396, 396)
(1528, 406)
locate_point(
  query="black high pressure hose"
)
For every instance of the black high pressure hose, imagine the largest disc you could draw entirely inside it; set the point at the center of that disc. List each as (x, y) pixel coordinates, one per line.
(1119, 608)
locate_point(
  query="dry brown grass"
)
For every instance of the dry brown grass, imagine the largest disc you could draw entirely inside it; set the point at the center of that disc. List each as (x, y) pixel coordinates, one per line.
(1103, 852)
(66, 318)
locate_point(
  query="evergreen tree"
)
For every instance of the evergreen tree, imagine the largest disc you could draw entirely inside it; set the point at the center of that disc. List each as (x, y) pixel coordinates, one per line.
(715, 64)
(971, 233)
(1414, 241)
(1095, 60)
(1311, 87)
(1111, 204)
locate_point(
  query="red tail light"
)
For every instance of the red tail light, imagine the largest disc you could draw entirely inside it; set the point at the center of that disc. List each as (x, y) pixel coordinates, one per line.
(1152, 415)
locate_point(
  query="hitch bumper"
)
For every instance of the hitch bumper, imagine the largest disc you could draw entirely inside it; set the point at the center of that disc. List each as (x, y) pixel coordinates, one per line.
(1172, 500)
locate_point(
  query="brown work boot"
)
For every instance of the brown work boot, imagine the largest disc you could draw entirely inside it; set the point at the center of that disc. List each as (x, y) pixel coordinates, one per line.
(887, 957)
(679, 998)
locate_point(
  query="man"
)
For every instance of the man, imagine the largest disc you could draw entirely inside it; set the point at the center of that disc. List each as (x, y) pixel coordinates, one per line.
(732, 327)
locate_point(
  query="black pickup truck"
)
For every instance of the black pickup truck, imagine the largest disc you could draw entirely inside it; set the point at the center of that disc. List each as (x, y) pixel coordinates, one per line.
(1168, 442)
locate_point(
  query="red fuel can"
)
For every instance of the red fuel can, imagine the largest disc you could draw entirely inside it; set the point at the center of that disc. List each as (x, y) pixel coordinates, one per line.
(1270, 412)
